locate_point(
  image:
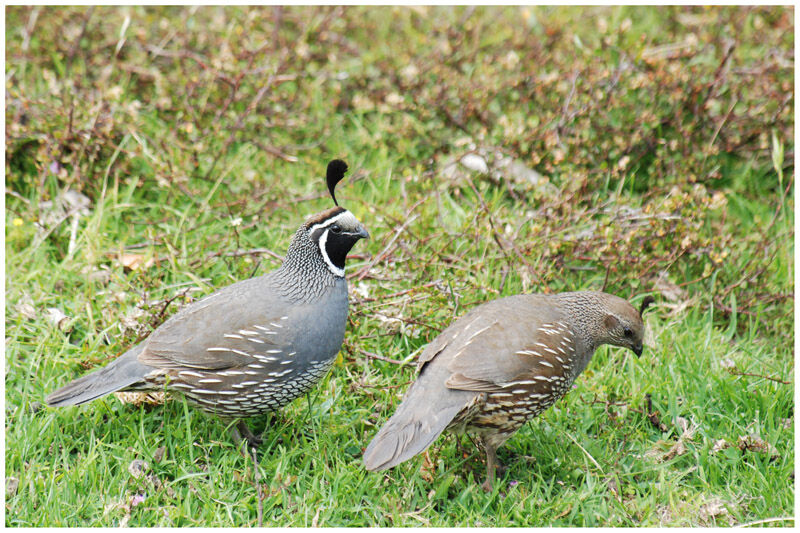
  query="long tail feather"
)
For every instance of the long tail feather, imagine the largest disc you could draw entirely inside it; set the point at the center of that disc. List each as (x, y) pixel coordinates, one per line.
(117, 375)
(426, 411)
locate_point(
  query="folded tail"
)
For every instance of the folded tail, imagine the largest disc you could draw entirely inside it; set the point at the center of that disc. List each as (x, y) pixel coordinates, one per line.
(121, 373)
(426, 411)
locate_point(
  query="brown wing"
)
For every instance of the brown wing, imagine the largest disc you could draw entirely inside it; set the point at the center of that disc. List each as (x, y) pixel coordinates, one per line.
(517, 339)
(475, 354)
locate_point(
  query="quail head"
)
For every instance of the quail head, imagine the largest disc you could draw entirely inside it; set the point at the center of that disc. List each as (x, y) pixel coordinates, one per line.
(500, 365)
(253, 346)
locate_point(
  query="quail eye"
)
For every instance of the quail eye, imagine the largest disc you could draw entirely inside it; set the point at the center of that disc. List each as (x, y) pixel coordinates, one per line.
(336, 228)
(628, 333)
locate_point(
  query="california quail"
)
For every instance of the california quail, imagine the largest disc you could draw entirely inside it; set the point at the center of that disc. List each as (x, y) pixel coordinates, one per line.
(499, 365)
(253, 346)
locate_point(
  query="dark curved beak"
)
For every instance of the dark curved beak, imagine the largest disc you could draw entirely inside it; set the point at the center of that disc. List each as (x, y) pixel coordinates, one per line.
(362, 233)
(637, 349)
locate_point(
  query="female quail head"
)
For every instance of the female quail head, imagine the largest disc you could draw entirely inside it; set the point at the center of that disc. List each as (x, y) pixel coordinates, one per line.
(253, 346)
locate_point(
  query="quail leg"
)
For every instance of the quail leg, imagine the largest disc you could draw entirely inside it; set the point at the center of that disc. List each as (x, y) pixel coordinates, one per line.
(491, 465)
(241, 432)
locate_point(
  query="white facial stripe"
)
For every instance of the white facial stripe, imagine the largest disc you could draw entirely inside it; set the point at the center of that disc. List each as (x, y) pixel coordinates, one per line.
(345, 216)
(333, 268)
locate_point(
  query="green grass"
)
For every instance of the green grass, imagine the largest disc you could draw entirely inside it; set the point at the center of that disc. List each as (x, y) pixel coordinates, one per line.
(669, 171)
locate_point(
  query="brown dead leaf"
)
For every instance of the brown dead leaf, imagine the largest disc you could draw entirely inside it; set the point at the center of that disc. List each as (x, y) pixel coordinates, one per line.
(565, 512)
(101, 276)
(669, 290)
(130, 321)
(720, 445)
(682, 423)
(138, 468)
(711, 510)
(688, 430)
(12, 484)
(678, 308)
(612, 487)
(139, 398)
(135, 261)
(315, 520)
(57, 318)
(754, 443)
(428, 469)
(158, 455)
(25, 307)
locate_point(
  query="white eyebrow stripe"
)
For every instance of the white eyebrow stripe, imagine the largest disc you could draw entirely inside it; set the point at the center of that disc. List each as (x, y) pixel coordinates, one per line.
(344, 215)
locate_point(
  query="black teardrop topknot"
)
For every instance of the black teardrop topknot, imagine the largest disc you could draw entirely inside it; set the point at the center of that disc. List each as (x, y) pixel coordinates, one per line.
(336, 170)
(646, 303)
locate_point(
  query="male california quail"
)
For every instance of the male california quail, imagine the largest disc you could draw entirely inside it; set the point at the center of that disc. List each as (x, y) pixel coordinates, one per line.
(501, 364)
(253, 346)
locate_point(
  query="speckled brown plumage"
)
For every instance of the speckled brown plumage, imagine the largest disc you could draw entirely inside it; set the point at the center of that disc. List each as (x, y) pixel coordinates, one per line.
(503, 363)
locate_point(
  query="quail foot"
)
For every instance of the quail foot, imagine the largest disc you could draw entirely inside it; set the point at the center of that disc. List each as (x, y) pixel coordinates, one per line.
(250, 347)
(500, 365)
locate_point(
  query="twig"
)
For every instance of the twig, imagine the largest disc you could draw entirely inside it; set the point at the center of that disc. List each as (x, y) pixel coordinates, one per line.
(723, 121)
(381, 358)
(496, 235)
(726, 309)
(767, 521)
(238, 253)
(76, 43)
(584, 451)
(652, 415)
(399, 293)
(385, 387)
(259, 95)
(26, 38)
(737, 373)
(274, 151)
(366, 268)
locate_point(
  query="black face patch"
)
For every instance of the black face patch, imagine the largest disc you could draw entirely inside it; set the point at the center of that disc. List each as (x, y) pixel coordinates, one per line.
(338, 245)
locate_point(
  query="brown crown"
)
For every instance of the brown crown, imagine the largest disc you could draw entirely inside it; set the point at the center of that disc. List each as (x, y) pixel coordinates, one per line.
(323, 216)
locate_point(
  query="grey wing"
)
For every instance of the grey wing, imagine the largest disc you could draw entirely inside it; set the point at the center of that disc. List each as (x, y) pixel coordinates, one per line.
(230, 328)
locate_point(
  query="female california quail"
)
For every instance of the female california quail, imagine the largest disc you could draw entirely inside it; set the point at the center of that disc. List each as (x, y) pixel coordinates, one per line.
(500, 365)
(253, 346)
